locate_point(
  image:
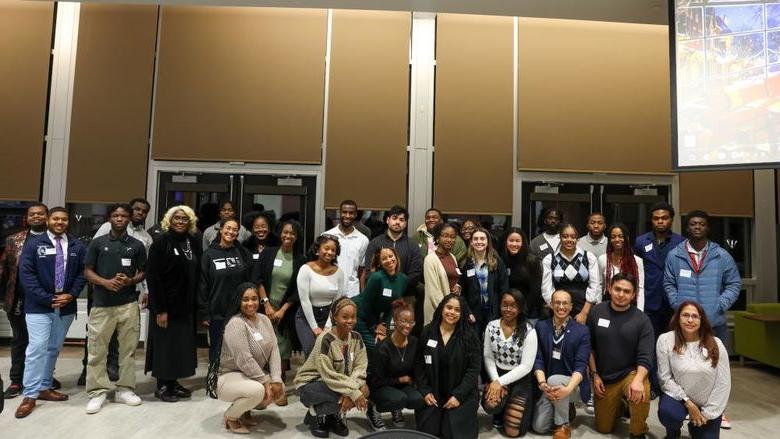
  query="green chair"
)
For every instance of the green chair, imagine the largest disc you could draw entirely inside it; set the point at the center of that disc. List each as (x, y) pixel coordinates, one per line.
(757, 333)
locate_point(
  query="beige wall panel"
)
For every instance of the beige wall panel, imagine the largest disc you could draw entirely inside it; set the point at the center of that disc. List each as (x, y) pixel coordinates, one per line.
(473, 122)
(112, 93)
(368, 109)
(720, 193)
(25, 47)
(240, 84)
(593, 96)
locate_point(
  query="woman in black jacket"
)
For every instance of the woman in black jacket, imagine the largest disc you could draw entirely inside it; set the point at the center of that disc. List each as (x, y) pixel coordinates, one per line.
(263, 237)
(448, 364)
(172, 278)
(524, 270)
(276, 273)
(483, 279)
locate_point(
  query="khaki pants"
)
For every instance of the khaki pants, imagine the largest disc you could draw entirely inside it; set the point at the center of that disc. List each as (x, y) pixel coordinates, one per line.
(610, 406)
(244, 393)
(102, 321)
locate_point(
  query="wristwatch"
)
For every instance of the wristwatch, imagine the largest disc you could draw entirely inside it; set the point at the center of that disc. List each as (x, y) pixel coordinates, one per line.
(263, 300)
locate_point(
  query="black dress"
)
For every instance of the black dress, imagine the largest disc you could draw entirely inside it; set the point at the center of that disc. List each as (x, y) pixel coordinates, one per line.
(172, 272)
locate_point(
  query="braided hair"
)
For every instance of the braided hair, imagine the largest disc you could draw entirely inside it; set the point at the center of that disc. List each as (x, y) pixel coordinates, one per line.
(627, 261)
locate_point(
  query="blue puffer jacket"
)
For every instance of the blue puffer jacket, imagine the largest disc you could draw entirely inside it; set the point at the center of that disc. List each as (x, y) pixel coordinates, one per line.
(716, 287)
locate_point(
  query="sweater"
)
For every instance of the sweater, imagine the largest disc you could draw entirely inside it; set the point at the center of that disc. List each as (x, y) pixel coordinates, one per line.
(512, 355)
(222, 270)
(691, 375)
(391, 362)
(339, 364)
(622, 341)
(318, 290)
(375, 302)
(437, 284)
(250, 348)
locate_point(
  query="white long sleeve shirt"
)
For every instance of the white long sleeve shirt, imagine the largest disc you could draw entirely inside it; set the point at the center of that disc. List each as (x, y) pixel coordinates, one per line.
(514, 356)
(640, 268)
(318, 290)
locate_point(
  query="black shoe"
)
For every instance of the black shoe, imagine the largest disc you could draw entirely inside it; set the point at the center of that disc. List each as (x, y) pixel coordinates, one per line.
(180, 391)
(113, 374)
(166, 394)
(82, 381)
(337, 425)
(398, 418)
(374, 419)
(498, 421)
(55, 384)
(12, 391)
(637, 436)
(318, 425)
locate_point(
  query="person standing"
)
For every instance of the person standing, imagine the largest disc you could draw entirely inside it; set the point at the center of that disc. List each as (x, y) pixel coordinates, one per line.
(524, 271)
(620, 258)
(172, 276)
(440, 269)
(549, 241)
(395, 237)
(11, 289)
(262, 234)
(52, 275)
(622, 355)
(227, 210)
(114, 264)
(483, 280)
(595, 241)
(426, 238)
(353, 246)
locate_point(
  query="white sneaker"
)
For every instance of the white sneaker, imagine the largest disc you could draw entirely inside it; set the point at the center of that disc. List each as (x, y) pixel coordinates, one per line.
(128, 397)
(589, 408)
(95, 404)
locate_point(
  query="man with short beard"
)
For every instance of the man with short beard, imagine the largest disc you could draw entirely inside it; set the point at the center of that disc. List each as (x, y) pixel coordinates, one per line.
(424, 236)
(353, 246)
(11, 290)
(595, 241)
(548, 242)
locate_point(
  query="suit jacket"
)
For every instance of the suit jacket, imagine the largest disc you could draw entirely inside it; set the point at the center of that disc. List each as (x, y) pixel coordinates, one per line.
(575, 351)
(36, 270)
(9, 271)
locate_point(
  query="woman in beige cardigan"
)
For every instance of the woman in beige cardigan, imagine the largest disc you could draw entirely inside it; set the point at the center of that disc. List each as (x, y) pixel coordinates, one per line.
(440, 269)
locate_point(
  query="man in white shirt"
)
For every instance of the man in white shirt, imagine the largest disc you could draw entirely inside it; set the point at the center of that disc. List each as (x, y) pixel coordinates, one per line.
(595, 241)
(353, 246)
(549, 241)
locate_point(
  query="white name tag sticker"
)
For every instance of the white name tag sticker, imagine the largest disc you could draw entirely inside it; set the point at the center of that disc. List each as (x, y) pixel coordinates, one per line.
(509, 271)
(176, 251)
(126, 262)
(257, 336)
(604, 323)
(648, 248)
(220, 265)
(387, 292)
(556, 355)
(432, 343)
(685, 273)
(277, 262)
(471, 272)
(50, 251)
(544, 247)
(428, 359)
(256, 256)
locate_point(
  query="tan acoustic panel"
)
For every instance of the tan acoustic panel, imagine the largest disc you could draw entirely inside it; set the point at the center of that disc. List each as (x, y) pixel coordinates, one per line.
(25, 47)
(474, 109)
(240, 84)
(368, 109)
(593, 96)
(719, 193)
(112, 95)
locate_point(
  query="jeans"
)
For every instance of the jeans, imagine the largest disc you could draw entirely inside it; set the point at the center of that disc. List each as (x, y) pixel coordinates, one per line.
(672, 412)
(47, 333)
(549, 414)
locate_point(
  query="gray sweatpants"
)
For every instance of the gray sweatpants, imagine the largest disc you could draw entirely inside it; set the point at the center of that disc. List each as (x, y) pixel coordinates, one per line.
(549, 414)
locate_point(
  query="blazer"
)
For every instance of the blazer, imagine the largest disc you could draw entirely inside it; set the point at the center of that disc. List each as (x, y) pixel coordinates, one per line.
(575, 351)
(498, 283)
(36, 271)
(437, 285)
(9, 270)
(654, 258)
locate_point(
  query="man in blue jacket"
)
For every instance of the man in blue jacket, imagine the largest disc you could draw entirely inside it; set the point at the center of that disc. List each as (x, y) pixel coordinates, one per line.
(52, 275)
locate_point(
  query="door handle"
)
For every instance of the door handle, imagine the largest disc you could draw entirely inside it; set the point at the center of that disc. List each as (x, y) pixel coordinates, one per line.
(241, 196)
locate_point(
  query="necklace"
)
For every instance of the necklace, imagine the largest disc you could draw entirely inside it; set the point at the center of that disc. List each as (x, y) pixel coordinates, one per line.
(402, 355)
(187, 249)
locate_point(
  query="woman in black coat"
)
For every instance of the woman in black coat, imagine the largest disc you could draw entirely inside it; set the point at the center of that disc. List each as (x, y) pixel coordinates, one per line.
(172, 272)
(448, 365)
(524, 270)
(482, 262)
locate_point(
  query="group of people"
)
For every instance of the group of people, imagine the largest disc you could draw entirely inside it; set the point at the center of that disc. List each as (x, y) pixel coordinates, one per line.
(440, 322)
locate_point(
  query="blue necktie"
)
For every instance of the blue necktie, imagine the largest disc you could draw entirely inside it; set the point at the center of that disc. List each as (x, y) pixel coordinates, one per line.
(59, 266)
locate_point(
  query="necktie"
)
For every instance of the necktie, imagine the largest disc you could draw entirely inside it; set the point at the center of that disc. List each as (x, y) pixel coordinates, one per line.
(59, 266)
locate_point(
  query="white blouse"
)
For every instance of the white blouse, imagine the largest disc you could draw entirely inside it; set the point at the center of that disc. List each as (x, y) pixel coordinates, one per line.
(640, 269)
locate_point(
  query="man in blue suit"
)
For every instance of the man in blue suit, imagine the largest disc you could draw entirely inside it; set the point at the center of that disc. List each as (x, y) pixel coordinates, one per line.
(52, 274)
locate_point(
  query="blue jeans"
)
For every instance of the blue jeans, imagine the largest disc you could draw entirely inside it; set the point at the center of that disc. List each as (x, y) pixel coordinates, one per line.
(47, 333)
(672, 412)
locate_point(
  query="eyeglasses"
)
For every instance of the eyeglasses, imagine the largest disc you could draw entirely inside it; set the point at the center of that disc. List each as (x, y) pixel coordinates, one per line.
(180, 219)
(508, 307)
(687, 316)
(560, 303)
(406, 323)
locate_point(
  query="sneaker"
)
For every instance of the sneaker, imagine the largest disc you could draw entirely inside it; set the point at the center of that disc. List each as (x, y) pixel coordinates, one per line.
(725, 422)
(318, 425)
(398, 418)
(498, 421)
(336, 424)
(180, 391)
(127, 396)
(374, 418)
(12, 391)
(95, 404)
(589, 408)
(166, 394)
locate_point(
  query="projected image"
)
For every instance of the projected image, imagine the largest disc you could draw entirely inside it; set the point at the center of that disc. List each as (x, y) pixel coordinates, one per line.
(727, 82)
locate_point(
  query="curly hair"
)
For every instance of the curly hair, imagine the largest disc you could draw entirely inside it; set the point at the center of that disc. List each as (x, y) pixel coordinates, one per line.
(322, 239)
(165, 224)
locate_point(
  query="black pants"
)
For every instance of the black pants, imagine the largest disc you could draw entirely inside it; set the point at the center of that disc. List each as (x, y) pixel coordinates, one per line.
(318, 395)
(522, 389)
(388, 398)
(18, 346)
(457, 423)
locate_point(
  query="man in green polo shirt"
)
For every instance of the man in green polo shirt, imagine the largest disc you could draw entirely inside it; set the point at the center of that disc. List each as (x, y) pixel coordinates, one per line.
(114, 264)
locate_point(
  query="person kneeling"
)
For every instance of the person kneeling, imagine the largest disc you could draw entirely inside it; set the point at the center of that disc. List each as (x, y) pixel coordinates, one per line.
(333, 378)
(248, 349)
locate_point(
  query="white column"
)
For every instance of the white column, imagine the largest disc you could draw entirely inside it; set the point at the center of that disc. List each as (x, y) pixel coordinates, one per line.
(63, 72)
(764, 254)
(319, 208)
(517, 181)
(420, 149)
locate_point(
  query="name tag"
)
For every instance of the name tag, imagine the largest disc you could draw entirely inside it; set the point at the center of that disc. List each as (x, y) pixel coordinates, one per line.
(257, 336)
(50, 251)
(556, 355)
(220, 265)
(334, 288)
(604, 323)
(256, 256)
(432, 343)
(471, 272)
(277, 262)
(457, 270)
(126, 262)
(176, 251)
(428, 359)
(509, 271)
(544, 247)
(685, 273)
(648, 248)
(387, 292)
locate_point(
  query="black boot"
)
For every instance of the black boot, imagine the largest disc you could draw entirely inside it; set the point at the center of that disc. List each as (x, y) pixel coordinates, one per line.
(318, 425)
(337, 425)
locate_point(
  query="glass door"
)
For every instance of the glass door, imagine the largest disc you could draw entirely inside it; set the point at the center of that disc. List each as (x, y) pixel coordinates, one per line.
(202, 192)
(572, 199)
(631, 204)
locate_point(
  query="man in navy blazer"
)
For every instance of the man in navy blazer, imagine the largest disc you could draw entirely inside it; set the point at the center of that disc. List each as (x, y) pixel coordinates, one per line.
(51, 271)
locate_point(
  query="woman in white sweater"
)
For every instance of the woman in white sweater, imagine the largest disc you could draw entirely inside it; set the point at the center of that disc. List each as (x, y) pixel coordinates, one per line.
(510, 351)
(693, 370)
(620, 258)
(320, 282)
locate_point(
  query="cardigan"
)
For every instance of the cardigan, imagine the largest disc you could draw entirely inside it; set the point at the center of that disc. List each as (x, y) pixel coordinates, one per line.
(250, 348)
(497, 284)
(464, 367)
(343, 374)
(437, 284)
